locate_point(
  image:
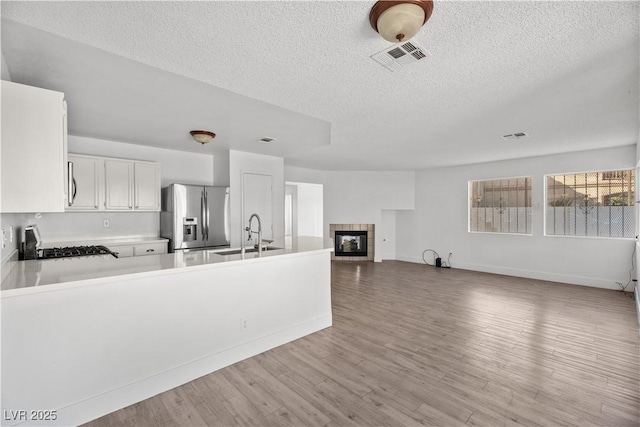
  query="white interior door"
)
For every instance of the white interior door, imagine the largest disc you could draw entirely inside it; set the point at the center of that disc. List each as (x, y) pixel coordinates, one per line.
(257, 197)
(388, 234)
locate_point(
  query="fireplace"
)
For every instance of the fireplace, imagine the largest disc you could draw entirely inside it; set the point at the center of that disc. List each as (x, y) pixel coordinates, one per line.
(350, 243)
(345, 249)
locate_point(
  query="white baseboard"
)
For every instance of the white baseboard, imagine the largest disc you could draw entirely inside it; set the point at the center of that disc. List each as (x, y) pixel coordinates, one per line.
(98, 406)
(414, 259)
(529, 274)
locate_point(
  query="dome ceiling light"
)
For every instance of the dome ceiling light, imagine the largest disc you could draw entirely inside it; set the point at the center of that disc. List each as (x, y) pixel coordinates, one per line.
(397, 21)
(202, 136)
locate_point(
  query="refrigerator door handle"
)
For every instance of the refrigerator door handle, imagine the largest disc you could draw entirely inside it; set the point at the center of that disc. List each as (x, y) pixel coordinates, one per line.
(202, 218)
(206, 205)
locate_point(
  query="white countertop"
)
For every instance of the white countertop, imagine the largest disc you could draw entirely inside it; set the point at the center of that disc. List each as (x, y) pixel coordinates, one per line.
(47, 275)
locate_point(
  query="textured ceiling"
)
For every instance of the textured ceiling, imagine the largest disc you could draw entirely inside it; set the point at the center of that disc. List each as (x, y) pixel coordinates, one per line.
(566, 73)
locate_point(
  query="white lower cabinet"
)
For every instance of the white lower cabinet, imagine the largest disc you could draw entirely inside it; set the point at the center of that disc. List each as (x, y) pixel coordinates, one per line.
(150, 249)
(123, 251)
(139, 249)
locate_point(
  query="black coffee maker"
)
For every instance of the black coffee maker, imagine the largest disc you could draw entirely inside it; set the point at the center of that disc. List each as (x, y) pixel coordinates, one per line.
(31, 242)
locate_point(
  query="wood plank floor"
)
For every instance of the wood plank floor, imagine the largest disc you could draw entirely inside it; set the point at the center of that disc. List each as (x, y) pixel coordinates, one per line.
(412, 344)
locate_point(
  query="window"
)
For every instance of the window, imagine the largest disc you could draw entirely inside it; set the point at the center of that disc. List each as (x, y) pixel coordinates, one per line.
(599, 204)
(500, 205)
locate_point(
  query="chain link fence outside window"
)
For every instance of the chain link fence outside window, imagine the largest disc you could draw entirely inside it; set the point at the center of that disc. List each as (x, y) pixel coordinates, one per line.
(500, 205)
(598, 204)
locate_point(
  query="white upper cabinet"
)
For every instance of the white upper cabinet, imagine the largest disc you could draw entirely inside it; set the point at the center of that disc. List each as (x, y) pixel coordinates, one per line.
(102, 183)
(147, 186)
(34, 149)
(86, 174)
(119, 184)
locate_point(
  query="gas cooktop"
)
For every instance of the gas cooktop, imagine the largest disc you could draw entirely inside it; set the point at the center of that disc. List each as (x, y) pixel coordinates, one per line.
(74, 251)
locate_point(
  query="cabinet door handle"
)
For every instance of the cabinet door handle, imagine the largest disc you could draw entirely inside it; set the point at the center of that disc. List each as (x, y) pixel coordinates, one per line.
(70, 183)
(150, 250)
(75, 190)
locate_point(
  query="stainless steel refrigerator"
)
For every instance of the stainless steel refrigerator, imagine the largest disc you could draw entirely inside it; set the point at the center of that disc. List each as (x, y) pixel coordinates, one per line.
(195, 217)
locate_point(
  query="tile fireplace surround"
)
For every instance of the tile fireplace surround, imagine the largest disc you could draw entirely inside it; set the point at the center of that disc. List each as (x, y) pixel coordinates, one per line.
(369, 228)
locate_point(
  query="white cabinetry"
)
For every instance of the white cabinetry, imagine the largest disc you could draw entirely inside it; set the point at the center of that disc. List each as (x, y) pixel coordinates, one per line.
(147, 186)
(139, 249)
(149, 249)
(123, 251)
(34, 149)
(118, 184)
(87, 183)
(107, 184)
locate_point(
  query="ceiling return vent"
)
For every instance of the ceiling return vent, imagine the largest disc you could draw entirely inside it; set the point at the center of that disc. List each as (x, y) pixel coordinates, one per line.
(517, 135)
(400, 55)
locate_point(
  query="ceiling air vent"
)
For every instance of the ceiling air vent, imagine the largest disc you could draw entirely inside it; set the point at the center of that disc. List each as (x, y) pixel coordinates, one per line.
(516, 135)
(398, 56)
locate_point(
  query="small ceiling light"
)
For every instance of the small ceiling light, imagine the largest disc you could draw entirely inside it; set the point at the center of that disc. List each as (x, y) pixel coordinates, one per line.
(266, 139)
(202, 136)
(399, 20)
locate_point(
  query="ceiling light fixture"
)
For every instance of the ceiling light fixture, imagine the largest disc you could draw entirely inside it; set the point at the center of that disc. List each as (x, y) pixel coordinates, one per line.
(399, 20)
(202, 136)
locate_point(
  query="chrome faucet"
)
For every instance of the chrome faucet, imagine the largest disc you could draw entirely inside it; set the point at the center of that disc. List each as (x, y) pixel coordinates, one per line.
(259, 232)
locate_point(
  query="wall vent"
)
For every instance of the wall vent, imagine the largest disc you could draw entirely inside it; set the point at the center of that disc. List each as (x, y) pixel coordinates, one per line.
(398, 56)
(516, 135)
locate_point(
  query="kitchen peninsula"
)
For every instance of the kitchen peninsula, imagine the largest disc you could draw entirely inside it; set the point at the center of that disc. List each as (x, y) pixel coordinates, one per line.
(123, 330)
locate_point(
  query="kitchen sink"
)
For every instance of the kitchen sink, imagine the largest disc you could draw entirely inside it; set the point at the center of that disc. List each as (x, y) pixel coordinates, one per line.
(247, 251)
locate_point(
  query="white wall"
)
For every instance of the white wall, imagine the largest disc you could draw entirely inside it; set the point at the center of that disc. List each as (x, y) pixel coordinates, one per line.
(439, 222)
(221, 168)
(68, 226)
(298, 174)
(240, 163)
(358, 197)
(308, 209)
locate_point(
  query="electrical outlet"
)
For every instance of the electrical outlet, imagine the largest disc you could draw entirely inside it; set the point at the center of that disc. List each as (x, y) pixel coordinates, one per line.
(105, 223)
(244, 323)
